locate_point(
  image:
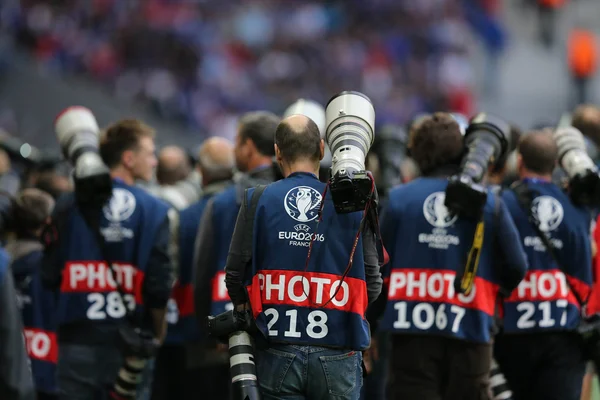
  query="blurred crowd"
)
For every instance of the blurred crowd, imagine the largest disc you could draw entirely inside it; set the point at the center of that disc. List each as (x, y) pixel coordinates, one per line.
(204, 62)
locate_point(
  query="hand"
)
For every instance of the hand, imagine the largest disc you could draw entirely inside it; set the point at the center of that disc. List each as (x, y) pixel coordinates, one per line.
(222, 348)
(242, 307)
(370, 356)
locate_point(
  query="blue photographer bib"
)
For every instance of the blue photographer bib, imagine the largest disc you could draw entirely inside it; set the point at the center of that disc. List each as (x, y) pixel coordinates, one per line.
(428, 246)
(544, 299)
(38, 308)
(183, 325)
(226, 206)
(129, 224)
(314, 304)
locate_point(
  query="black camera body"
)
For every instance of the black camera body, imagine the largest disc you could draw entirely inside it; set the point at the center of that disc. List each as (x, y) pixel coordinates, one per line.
(487, 140)
(233, 326)
(350, 191)
(465, 197)
(228, 322)
(584, 189)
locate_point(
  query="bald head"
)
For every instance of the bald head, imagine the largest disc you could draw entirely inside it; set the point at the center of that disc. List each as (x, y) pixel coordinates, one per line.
(173, 165)
(538, 152)
(297, 138)
(217, 159)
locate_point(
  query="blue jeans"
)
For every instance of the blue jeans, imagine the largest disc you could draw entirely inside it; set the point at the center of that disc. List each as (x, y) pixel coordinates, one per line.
(86, 372)
(309, 372)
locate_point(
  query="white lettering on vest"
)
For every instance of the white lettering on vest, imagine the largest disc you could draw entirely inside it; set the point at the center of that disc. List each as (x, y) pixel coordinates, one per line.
(542, 285)
(96, 276)
(305, 290)
(422, 286)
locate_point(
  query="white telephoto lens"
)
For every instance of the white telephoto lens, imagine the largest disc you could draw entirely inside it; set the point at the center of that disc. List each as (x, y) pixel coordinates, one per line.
(350, 130)
(76, 127)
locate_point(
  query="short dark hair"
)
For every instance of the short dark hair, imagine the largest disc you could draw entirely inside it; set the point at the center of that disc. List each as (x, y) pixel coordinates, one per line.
(259, 126)
(120, 137)
(31, 208)
(436, 141)
(538, 151)
(295, 145)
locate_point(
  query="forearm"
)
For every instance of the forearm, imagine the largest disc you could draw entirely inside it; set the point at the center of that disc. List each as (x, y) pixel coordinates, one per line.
(377, 309)
(372, 269)
(159, 323)
(204, 264)
(235, 268)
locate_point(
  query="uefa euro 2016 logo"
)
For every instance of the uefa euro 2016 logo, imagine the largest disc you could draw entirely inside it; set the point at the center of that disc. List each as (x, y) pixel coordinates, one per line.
(302, 203)
(121, 206)
(548, 212)
(436, 212)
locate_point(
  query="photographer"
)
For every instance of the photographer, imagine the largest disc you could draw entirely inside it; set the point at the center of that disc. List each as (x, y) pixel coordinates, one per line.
(183, 362)
(441, 339)
(15, 375)
(253, 156)
(540, 351)
(177, 182)
(308, 298)
(31, 211)
(95, 328)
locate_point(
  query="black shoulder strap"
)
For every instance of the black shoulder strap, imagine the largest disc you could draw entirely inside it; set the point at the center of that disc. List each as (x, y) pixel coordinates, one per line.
(250, 217)
(525, 198)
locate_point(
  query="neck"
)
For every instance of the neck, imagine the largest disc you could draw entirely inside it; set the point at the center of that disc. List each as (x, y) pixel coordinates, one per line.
(211, 181)
(258, 161)
(533, 175)
(122, 174)
(300, 166)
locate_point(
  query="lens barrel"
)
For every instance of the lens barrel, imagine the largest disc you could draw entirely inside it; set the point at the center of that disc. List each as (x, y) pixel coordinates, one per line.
(244, 383)
(350, 131)
(128, 379)
(487, 140)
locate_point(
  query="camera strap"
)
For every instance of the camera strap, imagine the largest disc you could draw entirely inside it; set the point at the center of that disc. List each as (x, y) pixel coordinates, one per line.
(467, 280)
(92, 218)
(525, 198)
(468, 277)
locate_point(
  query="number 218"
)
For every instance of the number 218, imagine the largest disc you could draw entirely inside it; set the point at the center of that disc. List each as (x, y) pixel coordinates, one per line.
(316, 328)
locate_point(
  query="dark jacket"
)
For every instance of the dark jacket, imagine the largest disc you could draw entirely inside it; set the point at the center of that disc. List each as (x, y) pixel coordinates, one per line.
(16, 382)
(213, 239)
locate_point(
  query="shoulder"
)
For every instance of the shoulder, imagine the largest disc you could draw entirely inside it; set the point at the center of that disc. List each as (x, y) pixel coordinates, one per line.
(141, 197)
(64, 202)
(225, 197)
(195, 208)
(418, 190)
